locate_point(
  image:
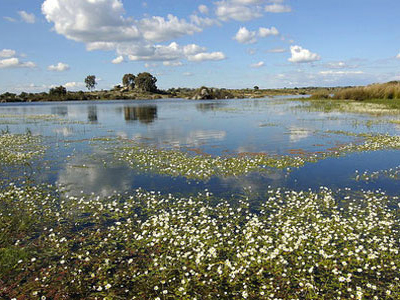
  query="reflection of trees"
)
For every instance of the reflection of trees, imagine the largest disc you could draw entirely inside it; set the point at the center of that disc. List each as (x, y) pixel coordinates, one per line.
(204, 107)
(92, 113)
(60, 111)
(144, 114)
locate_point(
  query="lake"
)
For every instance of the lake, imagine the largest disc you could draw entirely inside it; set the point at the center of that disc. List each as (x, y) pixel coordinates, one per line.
(218, 128)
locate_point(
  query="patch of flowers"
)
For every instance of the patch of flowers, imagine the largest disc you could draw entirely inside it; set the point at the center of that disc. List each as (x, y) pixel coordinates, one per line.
(178, 163)
(19, 148)
(146, 245)
(392, 173)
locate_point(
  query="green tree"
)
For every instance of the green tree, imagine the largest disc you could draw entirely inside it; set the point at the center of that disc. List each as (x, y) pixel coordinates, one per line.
(146, 82)
(58, 91)
(256, 88)
(90, 82)
(129, 81)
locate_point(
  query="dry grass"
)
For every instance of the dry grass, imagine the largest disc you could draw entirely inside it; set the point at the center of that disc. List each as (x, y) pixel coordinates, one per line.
(389, 90)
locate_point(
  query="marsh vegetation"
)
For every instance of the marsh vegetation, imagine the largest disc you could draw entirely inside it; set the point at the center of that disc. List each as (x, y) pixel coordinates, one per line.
(250, 199)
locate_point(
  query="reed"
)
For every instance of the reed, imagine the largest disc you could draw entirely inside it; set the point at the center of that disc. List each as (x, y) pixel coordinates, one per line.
(386, 91)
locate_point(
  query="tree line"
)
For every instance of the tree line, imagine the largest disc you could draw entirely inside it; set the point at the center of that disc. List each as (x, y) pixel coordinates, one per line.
(144, 82)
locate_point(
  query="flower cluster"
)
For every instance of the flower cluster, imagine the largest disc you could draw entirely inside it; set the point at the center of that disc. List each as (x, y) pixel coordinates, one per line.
(146, 245)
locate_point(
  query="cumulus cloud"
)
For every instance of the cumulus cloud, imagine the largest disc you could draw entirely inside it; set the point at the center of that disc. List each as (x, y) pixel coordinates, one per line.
(171, 52)
(301, 55)
(244, 36)
(237, 10)
(264, 32)
(90, 20)
(7, 53)
(258, 65)
(398, 56)
(158, 29)
(14, 62)
(207, 56)
(193, 49)
(60, 67)
(118, 60)
(27, 17)
(101, 25)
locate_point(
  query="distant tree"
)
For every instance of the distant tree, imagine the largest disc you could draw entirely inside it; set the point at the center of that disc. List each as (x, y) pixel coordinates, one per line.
(129, 81)
(90, 82)
(58, 91)
(256, 88)
(146, 82)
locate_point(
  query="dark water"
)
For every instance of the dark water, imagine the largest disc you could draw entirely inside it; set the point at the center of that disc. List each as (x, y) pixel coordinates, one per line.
(223, 127)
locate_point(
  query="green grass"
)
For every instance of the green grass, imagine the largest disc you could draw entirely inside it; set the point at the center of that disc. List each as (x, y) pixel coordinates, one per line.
(371, 106)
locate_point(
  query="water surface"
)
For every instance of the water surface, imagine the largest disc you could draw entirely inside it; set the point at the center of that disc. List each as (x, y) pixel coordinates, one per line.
(274, 126)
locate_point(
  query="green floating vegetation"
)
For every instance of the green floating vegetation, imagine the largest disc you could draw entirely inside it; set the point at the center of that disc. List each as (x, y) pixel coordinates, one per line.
(145, 245)
(19, 148)
(372, 107)
(32, 119)
(392, 173)
(178, 163)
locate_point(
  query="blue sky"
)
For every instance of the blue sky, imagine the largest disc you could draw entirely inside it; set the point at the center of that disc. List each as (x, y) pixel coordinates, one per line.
(225, 43)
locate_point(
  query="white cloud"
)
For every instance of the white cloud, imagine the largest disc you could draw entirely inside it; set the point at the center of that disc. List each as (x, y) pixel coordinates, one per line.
(7, 53)
(102, 25)
(301, 55)
(14, 62)
(188, 74)
(237, 10)
(258, 65)
(203, 9)
(207, 56)
(330, 72)
(74, 85)
(60, 67)
(203, 22)
(245, 36)
(172, 63)
(27, 17)
(90, 21)
(264, 32)
(192, 49)
(158, 29)
(278, 8)
(398, 56)
(118, 60)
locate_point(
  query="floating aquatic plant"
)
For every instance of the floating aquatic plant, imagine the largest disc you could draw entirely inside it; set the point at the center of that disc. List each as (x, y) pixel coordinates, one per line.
(392, 173)
(179, 163)
(145, 245)
(19, 148)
